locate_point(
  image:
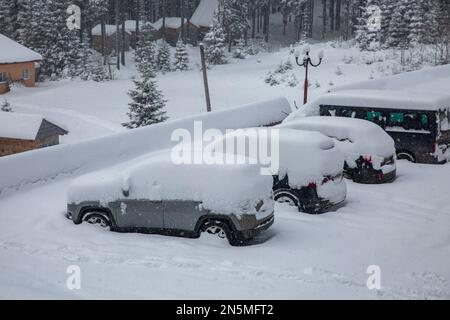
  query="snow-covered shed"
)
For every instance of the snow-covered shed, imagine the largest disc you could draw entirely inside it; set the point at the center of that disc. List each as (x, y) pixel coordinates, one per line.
(17, 63)
(171, 29)
(23, 132)
(204, 15)
(109, 43)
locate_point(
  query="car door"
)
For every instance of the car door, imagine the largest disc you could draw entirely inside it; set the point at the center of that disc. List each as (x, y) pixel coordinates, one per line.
(140, 214)
(182, 215)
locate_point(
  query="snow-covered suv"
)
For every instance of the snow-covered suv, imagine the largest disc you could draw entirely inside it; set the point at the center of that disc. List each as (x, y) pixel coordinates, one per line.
(369, 151)
(310, 168)
(153, 195)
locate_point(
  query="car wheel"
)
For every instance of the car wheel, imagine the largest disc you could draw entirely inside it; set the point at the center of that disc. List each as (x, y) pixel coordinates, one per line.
(97, 218)
(286, 197)
(220, 230)
(405, 155)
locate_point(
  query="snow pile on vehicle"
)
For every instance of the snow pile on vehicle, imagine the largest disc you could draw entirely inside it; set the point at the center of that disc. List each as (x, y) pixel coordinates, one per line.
(371, 98)
(13, 52)
(221, 188)
(305, 156)
(74, 159)
(355, 137)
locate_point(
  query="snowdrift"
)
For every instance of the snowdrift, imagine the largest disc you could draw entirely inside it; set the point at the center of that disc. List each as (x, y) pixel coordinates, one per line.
(73, 159)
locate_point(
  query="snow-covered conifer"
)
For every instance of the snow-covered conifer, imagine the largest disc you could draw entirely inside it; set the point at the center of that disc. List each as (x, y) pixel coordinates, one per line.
(147, 106)
(163, 58)
(6, 106)
(215, 43)
(181, 56)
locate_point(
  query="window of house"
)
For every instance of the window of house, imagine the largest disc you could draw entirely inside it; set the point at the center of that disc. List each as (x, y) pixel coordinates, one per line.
(26, 74)
(3, 77)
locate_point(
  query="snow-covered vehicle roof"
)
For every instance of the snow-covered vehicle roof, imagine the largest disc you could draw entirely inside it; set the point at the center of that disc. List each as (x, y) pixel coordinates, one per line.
(355, 137)
(390, 99)
(13, 52)
(204, 14)
(305, 156)
(156, 177)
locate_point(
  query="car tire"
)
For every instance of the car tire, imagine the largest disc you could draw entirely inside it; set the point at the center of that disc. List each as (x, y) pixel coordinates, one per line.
(285, 196)
(98, 218)
(406, 155)
(220, 229)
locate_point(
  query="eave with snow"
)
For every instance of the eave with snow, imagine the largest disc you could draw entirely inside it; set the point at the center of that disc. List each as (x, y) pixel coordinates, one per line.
(23, 132)
(108, 43)
(17, 64)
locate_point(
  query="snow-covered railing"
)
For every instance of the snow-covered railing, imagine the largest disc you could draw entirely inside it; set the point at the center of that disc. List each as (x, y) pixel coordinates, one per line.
(39, 166)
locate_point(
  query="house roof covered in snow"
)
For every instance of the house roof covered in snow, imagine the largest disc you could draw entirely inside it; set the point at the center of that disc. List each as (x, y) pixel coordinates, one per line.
(204, 14)
(130, 25)
(171, 22)
(26, 126)
(373, 98)
(13, 52)
(110, 29)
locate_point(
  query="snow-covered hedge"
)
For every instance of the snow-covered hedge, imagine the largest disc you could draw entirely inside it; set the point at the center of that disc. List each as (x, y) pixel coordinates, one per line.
(41, 165)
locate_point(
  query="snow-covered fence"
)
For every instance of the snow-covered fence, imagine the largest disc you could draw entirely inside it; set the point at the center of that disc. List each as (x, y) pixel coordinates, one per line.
(42, 165)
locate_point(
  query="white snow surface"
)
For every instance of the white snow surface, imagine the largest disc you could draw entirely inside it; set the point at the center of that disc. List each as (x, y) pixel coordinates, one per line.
(19, 125)
(355, 137)
(385, 99)
(204, 14)
(171, 22)
(156, 177)
(13, 52)
(25, 168)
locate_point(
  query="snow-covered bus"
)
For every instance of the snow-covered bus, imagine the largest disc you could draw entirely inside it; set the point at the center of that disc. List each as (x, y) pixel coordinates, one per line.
(418, 123)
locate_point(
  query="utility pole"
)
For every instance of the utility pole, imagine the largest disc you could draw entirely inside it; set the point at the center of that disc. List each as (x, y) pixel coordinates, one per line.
(205, 78)
(116, 3)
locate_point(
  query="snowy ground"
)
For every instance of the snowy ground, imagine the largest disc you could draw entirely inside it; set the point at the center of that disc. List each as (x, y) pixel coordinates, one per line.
(401, 227)
(90, 109)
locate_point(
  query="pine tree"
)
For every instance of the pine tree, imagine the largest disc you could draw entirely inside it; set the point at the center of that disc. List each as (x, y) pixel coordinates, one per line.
(145, 56)
(6, 106)
(399, 26)
(215, 43)
(181, 56)
(8, 17)
(147, 104)
(366, 36)
(234, 15)
(387, 10)
(22, 27)
(239, 51)
(164, 57)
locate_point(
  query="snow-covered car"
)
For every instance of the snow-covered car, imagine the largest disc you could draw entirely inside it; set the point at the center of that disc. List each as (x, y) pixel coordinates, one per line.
(369, 151)
(152, 194)
(309, 171)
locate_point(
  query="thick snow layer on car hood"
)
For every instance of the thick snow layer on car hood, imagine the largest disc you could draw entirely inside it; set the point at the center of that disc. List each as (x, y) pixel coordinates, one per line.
(223, 189)
(304, 156)
(354, 137)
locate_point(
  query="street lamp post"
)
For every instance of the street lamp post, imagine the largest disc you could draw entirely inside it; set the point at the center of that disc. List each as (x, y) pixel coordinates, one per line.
(306, 63)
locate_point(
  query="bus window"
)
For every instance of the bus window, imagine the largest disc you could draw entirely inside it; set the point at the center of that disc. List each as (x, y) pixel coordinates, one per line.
(375, 117)
(412, 121)
(424, 120)
(397, 119)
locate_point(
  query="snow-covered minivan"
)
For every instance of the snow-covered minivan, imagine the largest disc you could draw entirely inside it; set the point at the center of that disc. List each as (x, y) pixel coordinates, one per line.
(309, 168)
(369, 151)
(154, 194)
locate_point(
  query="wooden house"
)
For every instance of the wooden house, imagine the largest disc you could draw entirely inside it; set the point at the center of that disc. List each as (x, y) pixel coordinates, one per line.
(110, 38)
(24, 132)
(203, 17)
(172, 30)
(17, 64)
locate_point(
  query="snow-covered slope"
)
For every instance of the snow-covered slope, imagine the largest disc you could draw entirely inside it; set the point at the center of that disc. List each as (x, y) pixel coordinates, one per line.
(44, 164)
